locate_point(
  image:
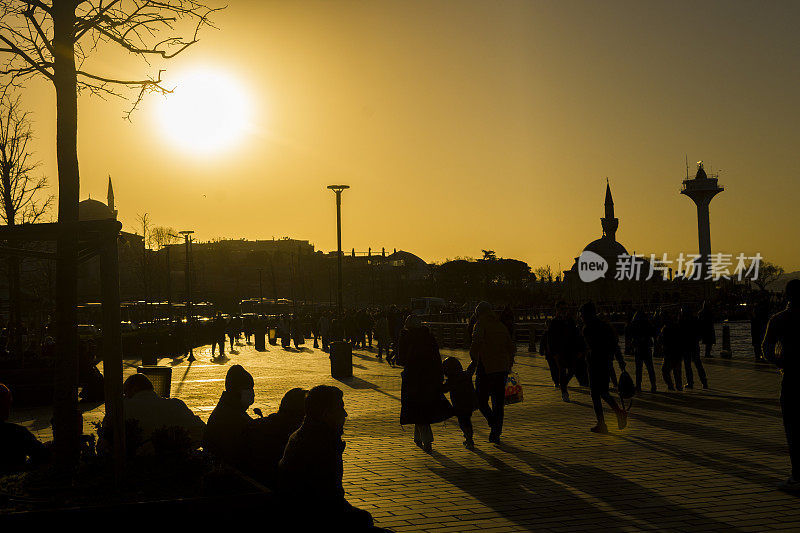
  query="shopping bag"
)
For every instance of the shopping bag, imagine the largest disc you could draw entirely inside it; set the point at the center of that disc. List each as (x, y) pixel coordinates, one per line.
(513, 389)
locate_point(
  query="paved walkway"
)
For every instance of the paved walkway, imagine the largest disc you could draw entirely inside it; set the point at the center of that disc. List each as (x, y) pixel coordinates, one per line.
(697, 460)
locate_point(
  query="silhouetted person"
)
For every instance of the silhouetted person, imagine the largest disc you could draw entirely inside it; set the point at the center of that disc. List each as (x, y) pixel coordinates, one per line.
(266, 438)
(324, 328)
(224, 436)
(462, 395)
(642, 334)
(382, 335)
(544, 350)
(602, 347)
(705, 324)
(690, 340)
(284, 332)
(563, 345)
(782, 347)
(296, 328)
(492, 349)
(89, 376)
(670, 341)
(19, 449)
(152, 412)
(311, 469)
(758, 326)
(218, 332)
(422, 401)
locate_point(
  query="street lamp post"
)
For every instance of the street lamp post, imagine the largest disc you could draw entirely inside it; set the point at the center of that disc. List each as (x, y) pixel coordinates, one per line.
(338, 190)
(188, 275)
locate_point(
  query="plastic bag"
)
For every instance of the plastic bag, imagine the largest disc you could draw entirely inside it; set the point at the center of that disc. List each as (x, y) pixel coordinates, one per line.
(513, 389)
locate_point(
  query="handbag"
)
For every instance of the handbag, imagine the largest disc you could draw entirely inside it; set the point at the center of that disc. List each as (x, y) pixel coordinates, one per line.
(513, 392)
(626, 389)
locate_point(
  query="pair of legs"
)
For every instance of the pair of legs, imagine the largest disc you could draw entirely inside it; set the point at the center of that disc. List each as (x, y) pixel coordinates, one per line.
(790, 409)
(672, 367)
(465, 423)
(566, 367)
(692, 355)
(491, 386)
(708, 349)
(423, 436)
(598, 387)
(221, 344)
(643, 356)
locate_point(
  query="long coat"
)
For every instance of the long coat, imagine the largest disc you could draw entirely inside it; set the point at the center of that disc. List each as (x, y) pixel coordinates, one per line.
(422, 399)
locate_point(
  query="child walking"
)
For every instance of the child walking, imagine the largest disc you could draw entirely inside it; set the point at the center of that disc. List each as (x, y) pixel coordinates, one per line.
(462, 395)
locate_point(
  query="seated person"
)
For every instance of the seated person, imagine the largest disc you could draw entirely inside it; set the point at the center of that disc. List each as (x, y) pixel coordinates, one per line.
(266, 438)
(19, 449)
(311, 468)
(225, 431)
(151, 412)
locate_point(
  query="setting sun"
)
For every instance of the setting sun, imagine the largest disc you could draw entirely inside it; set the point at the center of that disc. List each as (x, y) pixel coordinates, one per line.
(207, 112)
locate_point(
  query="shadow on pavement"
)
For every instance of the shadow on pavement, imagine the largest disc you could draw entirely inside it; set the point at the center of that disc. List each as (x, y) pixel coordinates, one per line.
(644, 508)
(525, 499)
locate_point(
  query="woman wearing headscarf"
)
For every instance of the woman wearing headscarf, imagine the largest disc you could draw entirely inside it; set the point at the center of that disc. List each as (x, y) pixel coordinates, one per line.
(422, 400)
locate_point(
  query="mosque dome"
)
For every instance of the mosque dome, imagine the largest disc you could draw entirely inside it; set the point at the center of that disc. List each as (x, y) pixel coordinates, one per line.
(94, 210)
(607, 248)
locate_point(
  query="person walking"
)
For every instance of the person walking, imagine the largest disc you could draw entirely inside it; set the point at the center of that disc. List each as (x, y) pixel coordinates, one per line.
(642, 333)
(382, 336)
(670, 342)
(690, 340)
(705, 323)
(781, 346)
(493, 351)
(602, 347)
(563, 345)
(422, 400)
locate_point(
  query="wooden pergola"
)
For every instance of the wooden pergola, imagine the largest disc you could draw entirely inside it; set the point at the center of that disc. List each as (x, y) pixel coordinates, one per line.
(96, 238)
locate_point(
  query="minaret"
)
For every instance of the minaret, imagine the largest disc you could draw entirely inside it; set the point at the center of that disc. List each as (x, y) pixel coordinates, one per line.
(702, 189)
(111, 197)
(609, 222)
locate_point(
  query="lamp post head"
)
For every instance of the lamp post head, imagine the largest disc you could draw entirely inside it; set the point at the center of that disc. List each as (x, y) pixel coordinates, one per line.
(186, 232)
(338, 188)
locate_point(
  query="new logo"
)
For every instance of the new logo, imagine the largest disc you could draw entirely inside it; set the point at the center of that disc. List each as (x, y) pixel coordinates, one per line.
(591, 266)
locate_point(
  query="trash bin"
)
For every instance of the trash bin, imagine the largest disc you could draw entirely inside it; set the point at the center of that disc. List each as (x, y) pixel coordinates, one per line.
(341, 360)
(259, 339)
(159, 376)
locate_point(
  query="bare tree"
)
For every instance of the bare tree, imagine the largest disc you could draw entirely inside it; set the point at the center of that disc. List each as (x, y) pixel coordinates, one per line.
(53, 39)
(23, 196)
(544, 273)
(767, 273)
(161, 236)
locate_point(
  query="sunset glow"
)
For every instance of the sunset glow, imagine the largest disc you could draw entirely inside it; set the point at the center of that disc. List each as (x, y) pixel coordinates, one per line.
(207, 112)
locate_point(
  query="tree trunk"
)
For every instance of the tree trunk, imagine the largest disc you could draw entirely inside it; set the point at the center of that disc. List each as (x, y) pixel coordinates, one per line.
(67, 421)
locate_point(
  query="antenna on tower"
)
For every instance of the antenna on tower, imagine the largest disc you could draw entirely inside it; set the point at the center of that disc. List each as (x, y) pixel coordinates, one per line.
(687, 166)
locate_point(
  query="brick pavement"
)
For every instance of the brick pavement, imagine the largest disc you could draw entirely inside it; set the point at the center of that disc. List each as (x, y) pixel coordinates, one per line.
(697, 460)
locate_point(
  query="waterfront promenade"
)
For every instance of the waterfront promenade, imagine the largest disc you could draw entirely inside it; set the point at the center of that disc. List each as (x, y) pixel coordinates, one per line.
(697, 460)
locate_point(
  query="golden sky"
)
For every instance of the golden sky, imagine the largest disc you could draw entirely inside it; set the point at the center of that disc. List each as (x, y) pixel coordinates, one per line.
(469, 125)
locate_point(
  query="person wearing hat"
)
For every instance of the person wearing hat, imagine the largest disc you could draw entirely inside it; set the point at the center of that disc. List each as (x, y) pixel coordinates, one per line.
(18, 447)
(781, 346)
(225, 430)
